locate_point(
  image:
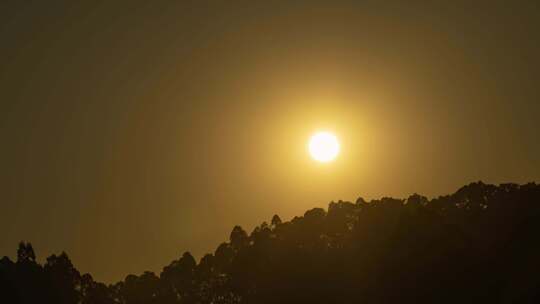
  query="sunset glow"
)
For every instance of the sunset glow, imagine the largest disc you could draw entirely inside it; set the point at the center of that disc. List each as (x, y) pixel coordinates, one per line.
(324, 147)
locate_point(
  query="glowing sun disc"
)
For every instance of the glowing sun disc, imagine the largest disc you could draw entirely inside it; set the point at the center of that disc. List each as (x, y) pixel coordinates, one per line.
(323, 146)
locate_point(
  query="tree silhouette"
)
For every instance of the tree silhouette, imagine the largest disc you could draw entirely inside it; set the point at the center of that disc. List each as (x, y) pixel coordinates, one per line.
(64, 278)
(178, 279)
(478, 245)
(25, 253)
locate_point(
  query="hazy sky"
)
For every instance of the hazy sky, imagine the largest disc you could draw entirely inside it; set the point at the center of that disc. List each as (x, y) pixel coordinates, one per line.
(133, 132)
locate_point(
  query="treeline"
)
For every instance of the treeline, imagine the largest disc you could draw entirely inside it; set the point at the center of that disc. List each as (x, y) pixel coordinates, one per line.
(478, 245)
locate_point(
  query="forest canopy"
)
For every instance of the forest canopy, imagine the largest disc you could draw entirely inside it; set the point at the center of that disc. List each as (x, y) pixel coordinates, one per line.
(480, 244)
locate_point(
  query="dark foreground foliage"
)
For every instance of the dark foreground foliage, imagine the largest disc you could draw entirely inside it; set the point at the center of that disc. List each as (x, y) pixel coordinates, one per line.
(478, 245)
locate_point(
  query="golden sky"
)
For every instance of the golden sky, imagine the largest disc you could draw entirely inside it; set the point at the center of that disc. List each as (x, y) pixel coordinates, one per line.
(133, 132)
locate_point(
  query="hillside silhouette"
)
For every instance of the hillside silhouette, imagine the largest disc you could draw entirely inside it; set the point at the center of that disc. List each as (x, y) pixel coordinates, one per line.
(478, 245)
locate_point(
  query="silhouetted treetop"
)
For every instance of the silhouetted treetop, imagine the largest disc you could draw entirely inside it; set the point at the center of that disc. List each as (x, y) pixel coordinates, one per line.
(25, 253)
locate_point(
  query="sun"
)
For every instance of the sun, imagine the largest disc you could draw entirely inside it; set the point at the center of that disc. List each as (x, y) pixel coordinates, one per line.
(323, 146)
